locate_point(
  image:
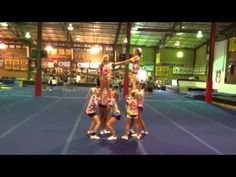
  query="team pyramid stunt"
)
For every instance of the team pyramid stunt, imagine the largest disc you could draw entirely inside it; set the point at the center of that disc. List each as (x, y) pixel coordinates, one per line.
(102, 105)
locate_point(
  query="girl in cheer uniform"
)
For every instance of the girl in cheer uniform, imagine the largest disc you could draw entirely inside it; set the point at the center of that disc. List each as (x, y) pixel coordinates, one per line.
(135, 61)
(132, 114)
(103, 99)
(105, 73)
(91, 112)
(140, 109)
(91, 92)
(114, 115)
(142, 125)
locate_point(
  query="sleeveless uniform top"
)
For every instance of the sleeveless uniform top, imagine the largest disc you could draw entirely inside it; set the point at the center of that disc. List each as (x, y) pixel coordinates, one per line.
(140, 98)
(114, 107)
(135, 62)
(132, 107)
(106, 70)
(92, 104)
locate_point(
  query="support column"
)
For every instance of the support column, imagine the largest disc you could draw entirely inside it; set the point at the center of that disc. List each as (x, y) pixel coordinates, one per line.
(126, 78)
(38, 78)
(114, 53)
(208, 96)
(154, 62)
(28, 48)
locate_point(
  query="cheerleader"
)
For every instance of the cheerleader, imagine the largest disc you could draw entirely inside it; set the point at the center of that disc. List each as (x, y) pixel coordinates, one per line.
(91, 112)
(141, 94)
(135, 61)
(132, 114)
(91, 92)
(142, 125)
(114, 115)
(103, 99)
(105, 73)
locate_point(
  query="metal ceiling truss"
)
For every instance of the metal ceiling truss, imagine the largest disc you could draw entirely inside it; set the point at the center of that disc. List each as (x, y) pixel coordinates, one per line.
(67, 34)
(231, 30)
(74, 44)
(10, 41)
(117, 33)
(16, 30)
(61, 36)
(222, 35)
(175, 28)
(161, 30)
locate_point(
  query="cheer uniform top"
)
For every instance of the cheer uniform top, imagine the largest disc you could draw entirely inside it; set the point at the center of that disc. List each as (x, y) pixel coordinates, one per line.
(140, 100)
(92, 105)
(135, 61)
(103, 98)
(115, 112)
(106, 70)
(132, 107)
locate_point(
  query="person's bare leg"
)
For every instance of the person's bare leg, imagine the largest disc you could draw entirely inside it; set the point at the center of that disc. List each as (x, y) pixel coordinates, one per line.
(142, 123)
(107, 84)
(105, 117)
(109, 125)
(97, 123)
(103, 84)
(127, 126)
(131, 125)
(92, 126)
(136, 123)
(101, 116)
(134, 79)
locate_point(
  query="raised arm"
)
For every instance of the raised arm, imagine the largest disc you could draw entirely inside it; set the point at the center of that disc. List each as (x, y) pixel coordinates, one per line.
(123, 62)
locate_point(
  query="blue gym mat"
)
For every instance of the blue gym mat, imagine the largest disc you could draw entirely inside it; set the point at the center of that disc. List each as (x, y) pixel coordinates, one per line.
(57, 124)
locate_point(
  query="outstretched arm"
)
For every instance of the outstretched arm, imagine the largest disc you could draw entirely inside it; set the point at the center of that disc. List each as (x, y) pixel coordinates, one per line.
(123, 62)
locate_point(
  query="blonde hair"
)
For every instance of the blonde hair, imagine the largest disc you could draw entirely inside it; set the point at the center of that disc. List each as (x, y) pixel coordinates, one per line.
(105, 57)
(114, 94)
(139, 51)
(92, 91)
(134, 93)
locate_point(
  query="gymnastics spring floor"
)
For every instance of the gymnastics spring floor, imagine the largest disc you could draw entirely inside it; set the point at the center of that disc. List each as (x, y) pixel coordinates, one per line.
(56, 124)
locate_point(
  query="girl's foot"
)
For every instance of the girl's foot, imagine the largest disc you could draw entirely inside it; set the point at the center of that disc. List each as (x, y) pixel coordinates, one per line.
(124, 137)
(112, 138)
(131, 131)
(134, 135)
(144, 132)
(90, 132)
(102, 132)
(138, 136)
(94, 137)
(106, 131)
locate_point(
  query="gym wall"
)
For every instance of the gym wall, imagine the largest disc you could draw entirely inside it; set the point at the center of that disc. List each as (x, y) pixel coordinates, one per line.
(11, 53)
(201, 60)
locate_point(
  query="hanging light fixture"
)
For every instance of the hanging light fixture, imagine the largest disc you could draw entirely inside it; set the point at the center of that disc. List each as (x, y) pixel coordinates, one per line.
(70, 27)
(4, 24)
(95, 50)
(134, 30)
(126, 40)
(49, 48)
(177, 43)
(180, 54)
(78, 38)
(199, 34)
(179, 34)
(27, 35)
(3, 46)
